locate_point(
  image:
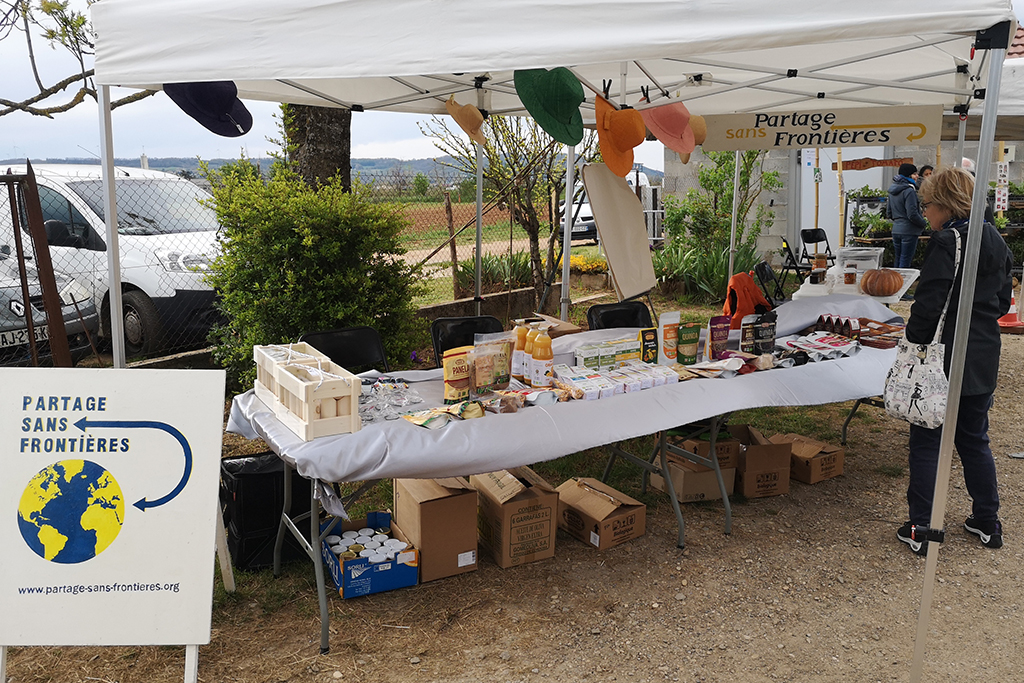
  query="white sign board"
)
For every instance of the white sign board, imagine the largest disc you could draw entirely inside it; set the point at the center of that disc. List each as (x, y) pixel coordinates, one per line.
(107, 505)
(865, 127)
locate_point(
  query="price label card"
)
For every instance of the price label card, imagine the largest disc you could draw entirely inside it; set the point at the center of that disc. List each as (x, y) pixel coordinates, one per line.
(1002, 198)
(1002, 174)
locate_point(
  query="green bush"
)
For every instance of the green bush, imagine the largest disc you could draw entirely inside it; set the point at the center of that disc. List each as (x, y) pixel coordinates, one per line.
(496, 272)
(703, 272)
(296, 259)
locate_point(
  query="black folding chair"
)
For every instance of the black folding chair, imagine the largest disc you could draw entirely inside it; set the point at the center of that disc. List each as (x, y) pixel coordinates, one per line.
(354, 348)
(622, 314)
(815, 236)
(449, 333)
(770, 284)
(792, 264)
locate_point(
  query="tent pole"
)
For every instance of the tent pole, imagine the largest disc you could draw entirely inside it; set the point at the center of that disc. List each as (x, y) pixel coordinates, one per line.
(842, 198)
(959, 351)
(479, 220)
(110, 212)
(735, 211)
(570, 186)
(961, 134)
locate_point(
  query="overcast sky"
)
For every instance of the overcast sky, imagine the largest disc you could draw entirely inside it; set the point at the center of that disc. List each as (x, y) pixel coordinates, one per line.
(158, 128)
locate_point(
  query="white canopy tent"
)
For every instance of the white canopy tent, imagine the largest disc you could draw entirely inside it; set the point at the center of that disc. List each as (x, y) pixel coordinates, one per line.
(719, 57)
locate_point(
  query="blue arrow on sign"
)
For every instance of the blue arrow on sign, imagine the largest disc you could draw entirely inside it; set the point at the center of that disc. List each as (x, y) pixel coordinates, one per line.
(142, 504)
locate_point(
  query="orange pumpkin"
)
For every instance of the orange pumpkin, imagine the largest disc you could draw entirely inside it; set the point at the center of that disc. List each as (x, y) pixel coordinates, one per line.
(881, 282)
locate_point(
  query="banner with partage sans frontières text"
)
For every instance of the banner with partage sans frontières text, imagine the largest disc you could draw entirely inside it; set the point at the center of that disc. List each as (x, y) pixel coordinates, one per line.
(109, 493)
(862, 127)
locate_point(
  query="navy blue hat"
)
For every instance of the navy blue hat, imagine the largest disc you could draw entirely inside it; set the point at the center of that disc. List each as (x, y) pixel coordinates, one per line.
(214, 104)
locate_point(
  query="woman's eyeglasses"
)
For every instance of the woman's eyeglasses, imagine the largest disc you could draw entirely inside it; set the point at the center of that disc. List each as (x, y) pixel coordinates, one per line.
(925, 205)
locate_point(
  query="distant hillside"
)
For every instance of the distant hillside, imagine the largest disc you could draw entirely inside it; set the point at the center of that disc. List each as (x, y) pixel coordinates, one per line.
(429, 167)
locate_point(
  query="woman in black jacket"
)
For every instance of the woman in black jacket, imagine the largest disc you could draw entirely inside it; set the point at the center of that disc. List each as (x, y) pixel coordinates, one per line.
(946, 201)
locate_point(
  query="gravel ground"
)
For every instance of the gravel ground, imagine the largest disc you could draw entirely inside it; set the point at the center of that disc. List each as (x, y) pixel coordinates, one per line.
(812, 586)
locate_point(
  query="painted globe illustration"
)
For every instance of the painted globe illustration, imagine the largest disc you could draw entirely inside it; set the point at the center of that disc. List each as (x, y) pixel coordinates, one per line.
(71, 511)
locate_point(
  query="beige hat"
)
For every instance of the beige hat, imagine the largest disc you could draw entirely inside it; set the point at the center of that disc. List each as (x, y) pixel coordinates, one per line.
(469, 118)
(700, 129)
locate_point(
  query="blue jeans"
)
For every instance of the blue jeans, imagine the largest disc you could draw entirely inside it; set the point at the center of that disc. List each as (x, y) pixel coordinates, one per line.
(905, 247)
(971, 442)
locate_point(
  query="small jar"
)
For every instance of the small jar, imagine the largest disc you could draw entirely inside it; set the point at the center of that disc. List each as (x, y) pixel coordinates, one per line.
(850, 273)
(818, 276)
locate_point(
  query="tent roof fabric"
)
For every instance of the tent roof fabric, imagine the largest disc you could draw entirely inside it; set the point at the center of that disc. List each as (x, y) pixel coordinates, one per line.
(718, 56)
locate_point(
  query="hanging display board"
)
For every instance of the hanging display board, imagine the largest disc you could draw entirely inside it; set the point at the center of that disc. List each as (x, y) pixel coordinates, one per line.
(865, 127)
(109, 494)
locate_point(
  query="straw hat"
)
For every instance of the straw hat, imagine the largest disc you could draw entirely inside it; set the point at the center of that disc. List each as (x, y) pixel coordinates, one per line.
(214, 104)
(553, 99)
(469, 118)
(700, 129)
(670, 123)
(618, 132)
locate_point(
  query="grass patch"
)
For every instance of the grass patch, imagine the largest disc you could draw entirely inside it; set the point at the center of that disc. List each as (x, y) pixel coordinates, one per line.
(891, 471)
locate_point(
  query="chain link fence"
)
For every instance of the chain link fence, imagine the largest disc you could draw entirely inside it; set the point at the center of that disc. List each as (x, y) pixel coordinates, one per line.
(441, 210)
(166, 236)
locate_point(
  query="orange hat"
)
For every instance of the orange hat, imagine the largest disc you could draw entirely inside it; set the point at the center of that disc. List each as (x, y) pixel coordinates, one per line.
(618, 132)
(468, 117)
(670, 123)
(700, 129)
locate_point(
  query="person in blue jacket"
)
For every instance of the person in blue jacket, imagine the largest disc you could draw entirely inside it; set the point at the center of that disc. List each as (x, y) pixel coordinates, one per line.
(905, 212)
(946, 199)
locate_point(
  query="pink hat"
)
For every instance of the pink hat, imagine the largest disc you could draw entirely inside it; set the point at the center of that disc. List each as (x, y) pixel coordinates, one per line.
(670, 123)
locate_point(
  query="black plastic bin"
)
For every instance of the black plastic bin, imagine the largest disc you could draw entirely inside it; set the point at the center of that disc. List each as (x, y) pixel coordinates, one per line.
(252, 492)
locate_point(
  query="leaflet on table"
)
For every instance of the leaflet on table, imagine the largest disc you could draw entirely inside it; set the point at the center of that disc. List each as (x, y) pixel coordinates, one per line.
(822, 345)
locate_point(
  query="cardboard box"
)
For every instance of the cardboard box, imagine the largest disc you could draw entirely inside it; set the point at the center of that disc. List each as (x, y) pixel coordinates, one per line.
(359, 577)
(758, 453)
(728, 451)
(599, 515)
(559, 327)
(692, 486)
(517, 515)
(438, 517)
(812, 461)
(763, 484)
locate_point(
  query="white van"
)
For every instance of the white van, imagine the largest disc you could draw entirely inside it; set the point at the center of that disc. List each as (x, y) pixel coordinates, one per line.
(167, 237)
(584, 227)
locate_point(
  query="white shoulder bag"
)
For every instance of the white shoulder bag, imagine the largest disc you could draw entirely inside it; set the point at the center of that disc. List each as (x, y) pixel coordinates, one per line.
(916, 386)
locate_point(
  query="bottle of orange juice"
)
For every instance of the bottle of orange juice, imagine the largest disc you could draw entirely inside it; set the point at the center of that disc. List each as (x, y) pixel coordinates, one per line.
(543, 360)
(518, 364)
(531, 335)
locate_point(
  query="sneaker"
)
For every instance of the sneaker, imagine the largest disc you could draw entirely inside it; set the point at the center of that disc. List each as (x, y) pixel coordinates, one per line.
(990, 533)
(906, 534)
(907, 297)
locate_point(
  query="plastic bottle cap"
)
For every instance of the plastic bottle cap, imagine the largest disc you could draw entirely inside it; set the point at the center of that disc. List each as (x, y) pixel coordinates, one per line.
(367, 552)
(396, 544)
(338, 549)
(346, 542)
(372, 544)
(349, 534)
(377, 558)
(380, 538)
(332, 540)
(363, 540)
(366, 531)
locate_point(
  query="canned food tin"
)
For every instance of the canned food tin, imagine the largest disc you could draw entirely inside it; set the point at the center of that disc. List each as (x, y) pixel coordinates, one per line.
(367, 552)
(377, 558)
(363, 539)
(338, 549)
(347, 555)
(349, 534)
(366, 531)
(332, 539)
(396, 544)
(383, 530)
(346, 542)
(356, 547)
(372, 545)
(380, 538)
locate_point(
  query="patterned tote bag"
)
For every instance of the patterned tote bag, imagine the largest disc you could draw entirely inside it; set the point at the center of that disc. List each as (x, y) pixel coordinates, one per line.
(916, 386)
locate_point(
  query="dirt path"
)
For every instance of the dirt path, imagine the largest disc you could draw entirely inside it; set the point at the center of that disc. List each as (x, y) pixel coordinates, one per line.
(812, 586)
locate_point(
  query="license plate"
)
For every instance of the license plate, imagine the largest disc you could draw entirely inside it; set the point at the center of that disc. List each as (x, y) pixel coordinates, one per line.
(580, 228)
(20, 337)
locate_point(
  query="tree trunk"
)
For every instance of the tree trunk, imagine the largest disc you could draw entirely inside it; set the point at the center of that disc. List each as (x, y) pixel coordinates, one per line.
(321, 140)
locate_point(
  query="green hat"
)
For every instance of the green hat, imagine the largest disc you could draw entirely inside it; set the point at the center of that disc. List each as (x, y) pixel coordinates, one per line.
(553, 99)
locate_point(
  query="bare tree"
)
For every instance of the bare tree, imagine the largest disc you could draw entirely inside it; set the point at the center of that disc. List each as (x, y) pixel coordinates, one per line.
(524, 161)
(60, 26)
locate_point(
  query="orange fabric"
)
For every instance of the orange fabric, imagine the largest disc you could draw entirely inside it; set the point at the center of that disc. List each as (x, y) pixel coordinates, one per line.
(743, 298)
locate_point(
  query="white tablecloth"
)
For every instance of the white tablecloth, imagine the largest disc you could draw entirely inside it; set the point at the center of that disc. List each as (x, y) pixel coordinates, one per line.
(401, 449)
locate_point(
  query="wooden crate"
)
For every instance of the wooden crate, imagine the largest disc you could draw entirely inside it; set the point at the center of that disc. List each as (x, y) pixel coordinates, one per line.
(268, 358)
(303, 393)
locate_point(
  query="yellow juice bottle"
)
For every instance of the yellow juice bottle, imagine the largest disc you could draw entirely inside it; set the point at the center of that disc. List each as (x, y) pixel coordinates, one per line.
(518, 357)
(528, 354)
(543, 360)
